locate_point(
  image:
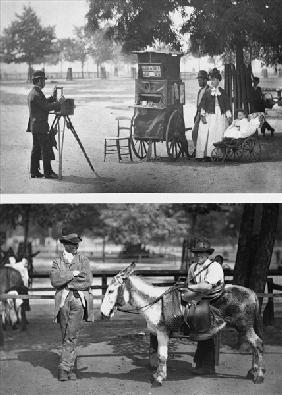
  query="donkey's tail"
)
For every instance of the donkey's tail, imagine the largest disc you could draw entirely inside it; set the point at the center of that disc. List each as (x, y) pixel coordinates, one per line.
(258, 327)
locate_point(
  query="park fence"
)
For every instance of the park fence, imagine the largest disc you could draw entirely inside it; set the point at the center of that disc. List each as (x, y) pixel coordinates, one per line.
(78, 75)
(168, 278)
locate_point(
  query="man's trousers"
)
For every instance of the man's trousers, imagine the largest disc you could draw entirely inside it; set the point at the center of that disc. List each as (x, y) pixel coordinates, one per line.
(40, 149)
(205, 354)
(71, 318)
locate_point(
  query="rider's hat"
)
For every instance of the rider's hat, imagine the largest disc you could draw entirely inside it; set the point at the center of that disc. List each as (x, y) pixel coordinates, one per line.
(202, 74)
(203, 246)
(71, 238)
(39, 74)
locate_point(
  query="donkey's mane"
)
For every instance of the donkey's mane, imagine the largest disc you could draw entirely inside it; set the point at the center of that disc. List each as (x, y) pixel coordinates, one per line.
(142, 287)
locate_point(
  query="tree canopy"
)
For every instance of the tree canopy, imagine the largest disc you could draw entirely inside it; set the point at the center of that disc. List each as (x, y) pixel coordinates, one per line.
(100, 47)
(26, 40)
(76, 49)
(122, 223)
(214, 25)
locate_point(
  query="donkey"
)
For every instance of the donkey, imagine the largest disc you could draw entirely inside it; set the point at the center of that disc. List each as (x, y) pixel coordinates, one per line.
(238, 306)
(13, 310)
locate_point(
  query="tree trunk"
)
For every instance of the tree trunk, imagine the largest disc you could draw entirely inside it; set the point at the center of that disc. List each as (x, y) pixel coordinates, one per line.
(82, 70)
(241, 269)
(255, 245)
(104, 250)
(239, 73)
(98, 69)
(266, 239)
(29, 73)
(26, 228)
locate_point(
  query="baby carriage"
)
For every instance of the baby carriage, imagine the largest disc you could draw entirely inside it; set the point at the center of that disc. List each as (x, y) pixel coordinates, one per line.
(231, 149)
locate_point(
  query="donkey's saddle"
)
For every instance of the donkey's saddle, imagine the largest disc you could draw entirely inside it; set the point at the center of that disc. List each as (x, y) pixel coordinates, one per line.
(202, 320)
(197, 316)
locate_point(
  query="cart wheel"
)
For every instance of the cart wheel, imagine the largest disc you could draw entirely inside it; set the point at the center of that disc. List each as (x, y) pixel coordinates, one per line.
(252, 148)
(235, 154)
(229, 154)
(256, 152)
(217, 155)
(173, 144)
(140, 148)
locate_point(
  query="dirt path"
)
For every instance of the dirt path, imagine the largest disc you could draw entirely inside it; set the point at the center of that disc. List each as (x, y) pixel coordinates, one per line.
(112, 359)
(97, 106)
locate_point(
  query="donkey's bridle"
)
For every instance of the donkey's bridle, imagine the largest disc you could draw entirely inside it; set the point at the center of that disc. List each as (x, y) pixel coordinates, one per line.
(136, 310)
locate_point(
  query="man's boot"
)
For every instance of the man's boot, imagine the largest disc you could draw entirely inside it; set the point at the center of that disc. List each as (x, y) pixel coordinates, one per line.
(72, 375)
(62, 375)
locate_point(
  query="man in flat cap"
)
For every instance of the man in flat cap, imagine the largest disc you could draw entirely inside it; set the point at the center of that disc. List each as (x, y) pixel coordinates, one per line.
(203, 84)
(205, 278)
(72, 278)
(39, 108)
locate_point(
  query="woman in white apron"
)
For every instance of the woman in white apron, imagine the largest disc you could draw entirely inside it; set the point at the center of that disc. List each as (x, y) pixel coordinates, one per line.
(215, 112)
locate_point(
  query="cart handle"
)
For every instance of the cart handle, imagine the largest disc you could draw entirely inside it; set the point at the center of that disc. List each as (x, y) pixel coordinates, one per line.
(123, 118)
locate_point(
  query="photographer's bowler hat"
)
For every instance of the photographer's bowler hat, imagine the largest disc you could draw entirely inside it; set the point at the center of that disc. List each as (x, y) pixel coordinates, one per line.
(203, 246)
(72, 238)
(39, 74)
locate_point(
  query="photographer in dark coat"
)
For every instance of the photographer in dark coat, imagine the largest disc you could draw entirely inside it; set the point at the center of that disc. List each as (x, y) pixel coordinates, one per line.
(72, 278)
(39, 108)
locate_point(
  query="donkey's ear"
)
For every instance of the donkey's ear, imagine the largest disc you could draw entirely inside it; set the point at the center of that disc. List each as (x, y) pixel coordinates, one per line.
(128, 270)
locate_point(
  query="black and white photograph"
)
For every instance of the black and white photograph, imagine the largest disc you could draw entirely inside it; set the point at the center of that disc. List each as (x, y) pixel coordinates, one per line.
(141, 96)
(141, 298)
(140, 197)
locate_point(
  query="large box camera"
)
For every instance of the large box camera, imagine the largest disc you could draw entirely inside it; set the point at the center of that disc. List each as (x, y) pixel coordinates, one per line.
(67, 107)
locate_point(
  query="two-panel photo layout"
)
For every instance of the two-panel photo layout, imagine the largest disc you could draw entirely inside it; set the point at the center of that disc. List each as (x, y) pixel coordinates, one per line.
(141, 197)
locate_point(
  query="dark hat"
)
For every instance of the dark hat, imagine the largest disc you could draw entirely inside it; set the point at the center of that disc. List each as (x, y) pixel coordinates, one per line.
(203, 246)
(72, 238)
(215, 73)
(11, 253)
(39, 74)
(203, 74)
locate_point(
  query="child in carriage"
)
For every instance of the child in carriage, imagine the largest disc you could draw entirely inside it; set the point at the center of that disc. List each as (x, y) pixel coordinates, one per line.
(240, 128)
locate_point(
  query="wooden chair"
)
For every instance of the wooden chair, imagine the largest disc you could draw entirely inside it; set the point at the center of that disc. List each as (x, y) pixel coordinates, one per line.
(121, 143)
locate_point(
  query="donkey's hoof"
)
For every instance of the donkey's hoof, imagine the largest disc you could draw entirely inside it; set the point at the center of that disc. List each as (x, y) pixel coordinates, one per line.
(250, 374)
(258, 379)
(153, 361)
(155, 384)
(157, 379)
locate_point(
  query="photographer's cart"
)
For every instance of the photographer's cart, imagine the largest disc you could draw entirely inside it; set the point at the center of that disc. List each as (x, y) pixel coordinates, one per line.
(158, 109)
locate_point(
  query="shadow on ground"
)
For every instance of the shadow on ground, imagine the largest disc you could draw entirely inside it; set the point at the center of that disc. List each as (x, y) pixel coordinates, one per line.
(84, 180)
(48, 360)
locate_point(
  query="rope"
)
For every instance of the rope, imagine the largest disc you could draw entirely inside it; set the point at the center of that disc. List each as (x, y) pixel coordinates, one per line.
(147, 306)
(169, 290)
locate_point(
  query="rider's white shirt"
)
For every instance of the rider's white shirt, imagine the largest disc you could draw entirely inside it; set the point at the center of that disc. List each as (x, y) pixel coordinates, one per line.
(210, 272)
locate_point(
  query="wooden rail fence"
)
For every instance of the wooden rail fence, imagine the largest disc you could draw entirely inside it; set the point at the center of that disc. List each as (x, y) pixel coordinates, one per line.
(178, 275)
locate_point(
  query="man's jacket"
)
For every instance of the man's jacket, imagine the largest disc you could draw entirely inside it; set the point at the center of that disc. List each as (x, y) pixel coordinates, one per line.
(199, 99)
(63, 280)
(39, 108)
